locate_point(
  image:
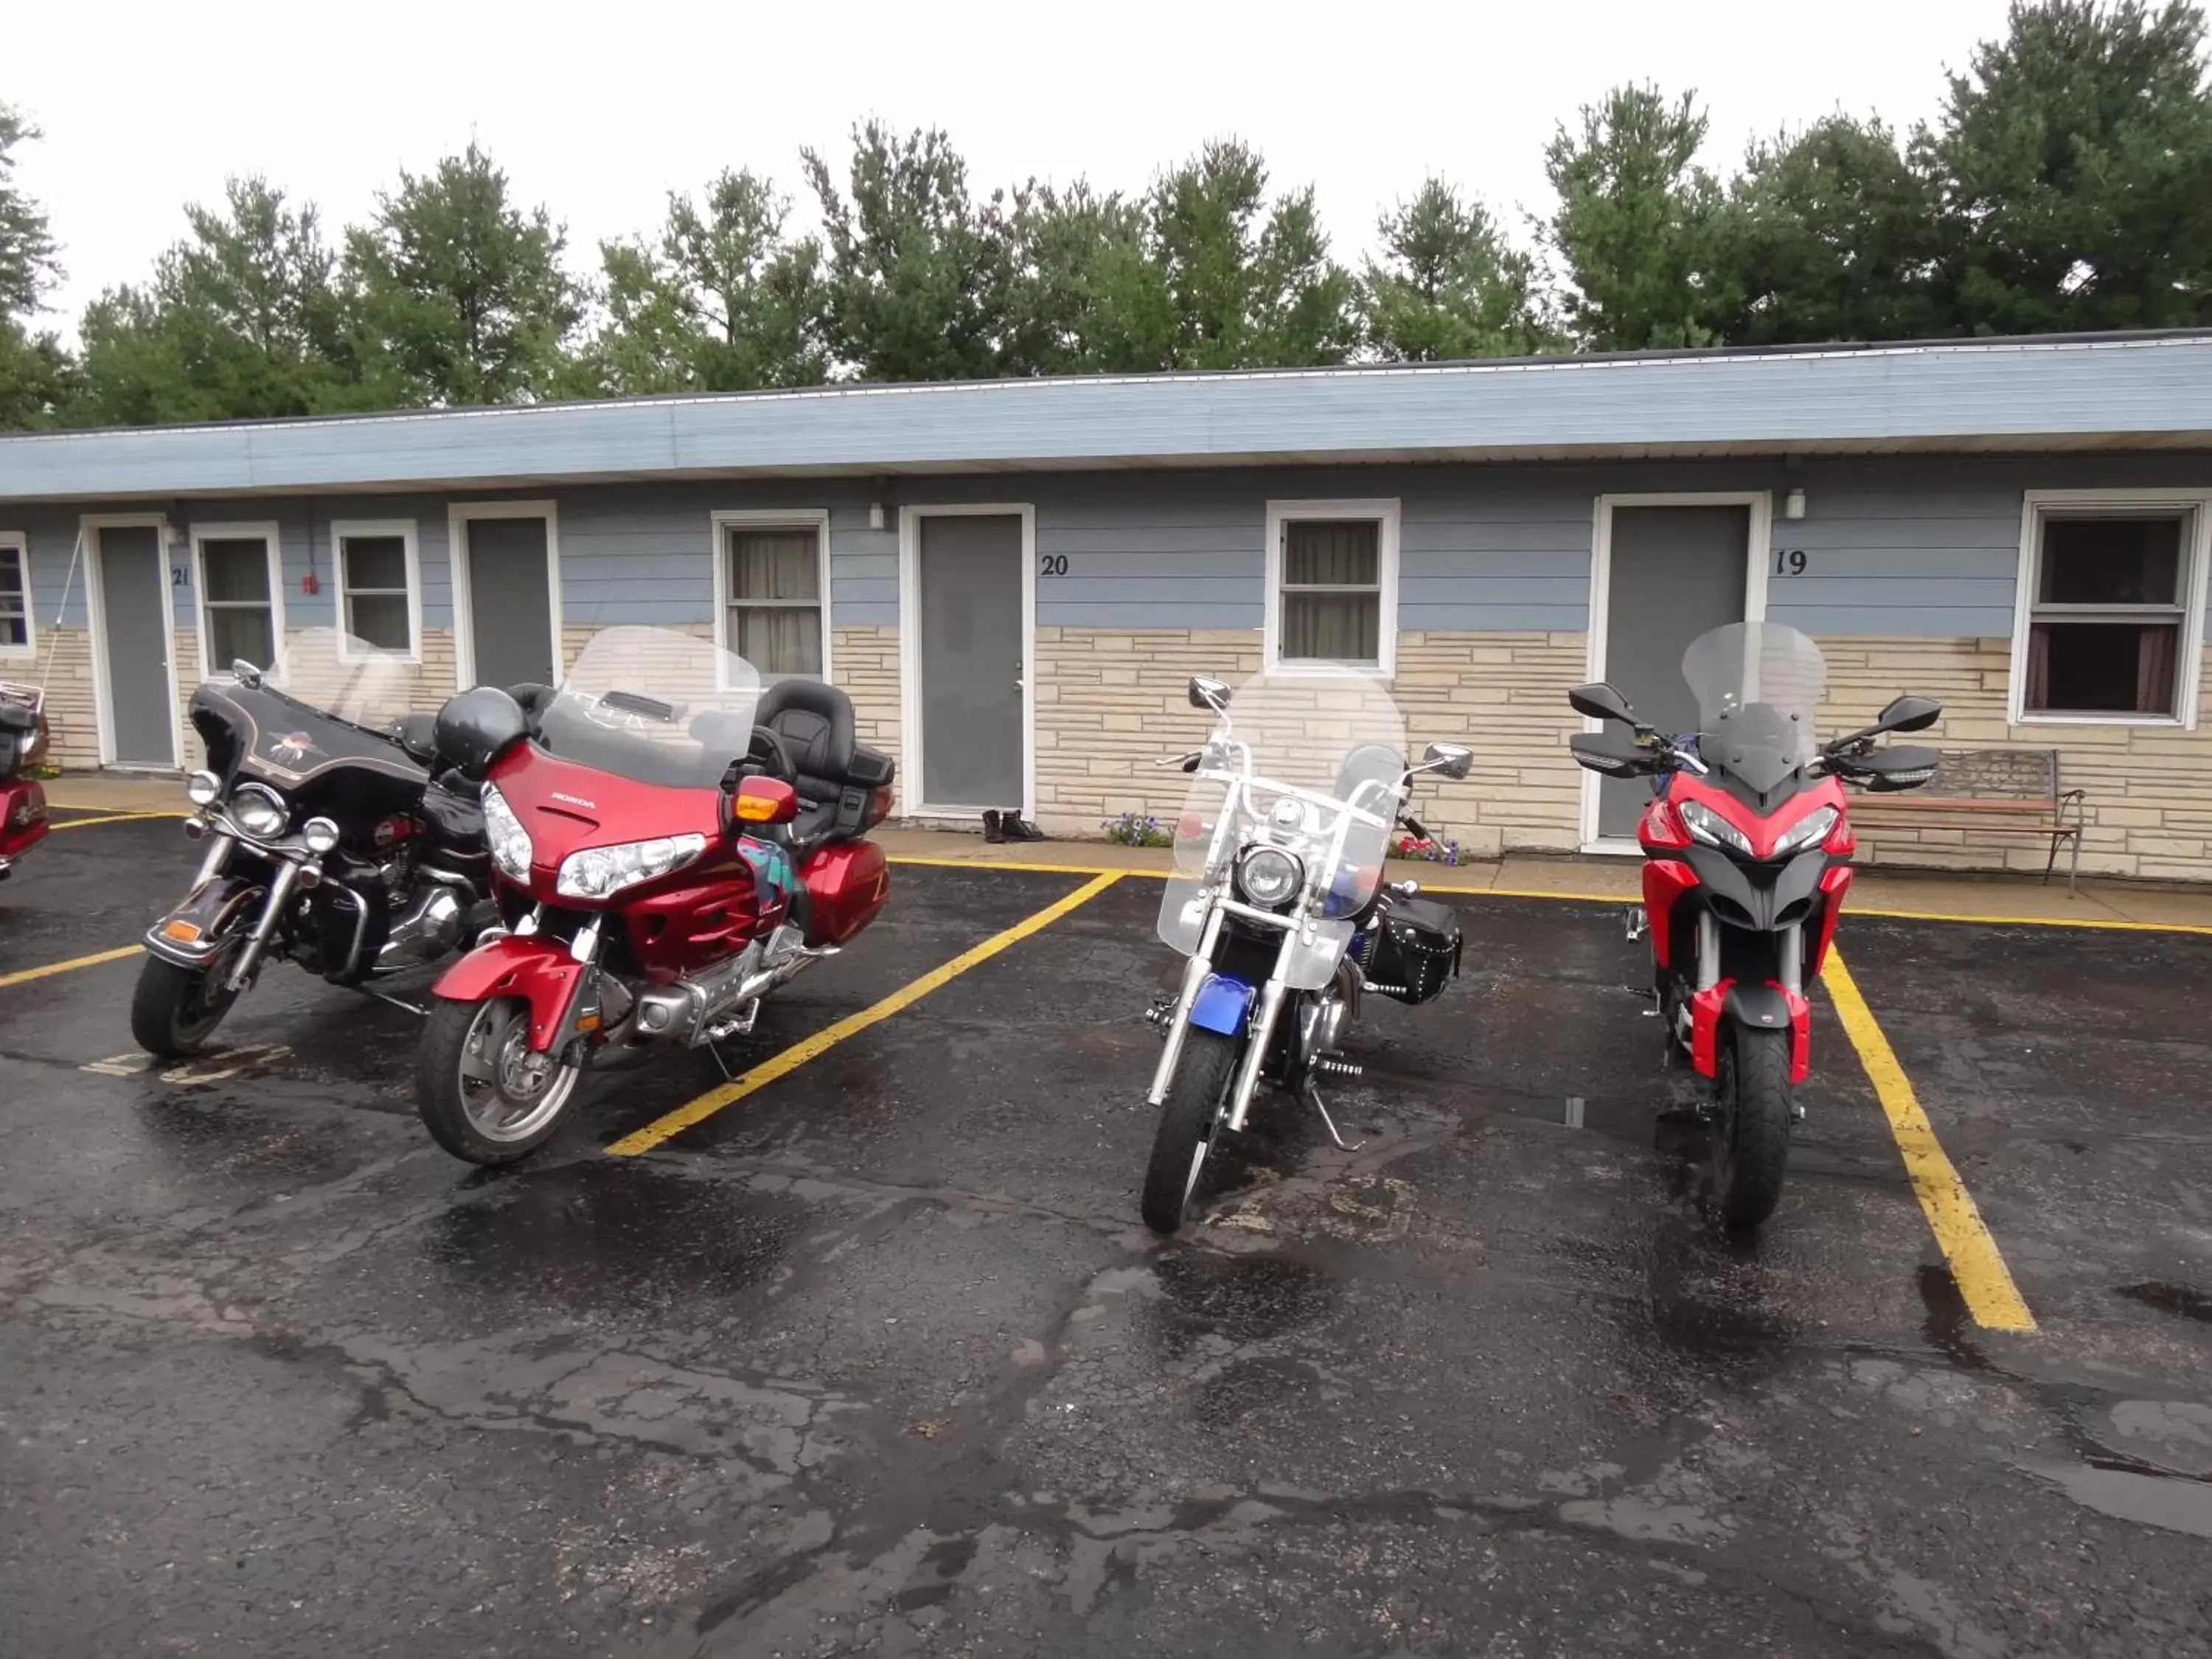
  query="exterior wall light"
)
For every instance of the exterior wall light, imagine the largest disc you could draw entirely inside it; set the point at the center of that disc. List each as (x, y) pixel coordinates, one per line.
(1793, 505)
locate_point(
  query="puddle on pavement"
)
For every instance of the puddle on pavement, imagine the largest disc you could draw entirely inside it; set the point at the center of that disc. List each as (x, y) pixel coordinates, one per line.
(2173, 1502)
(615, 1233)
(2182, 1300)
(1241, 1298)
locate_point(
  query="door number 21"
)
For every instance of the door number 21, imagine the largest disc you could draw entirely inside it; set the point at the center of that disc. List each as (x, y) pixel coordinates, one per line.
(1790, 562)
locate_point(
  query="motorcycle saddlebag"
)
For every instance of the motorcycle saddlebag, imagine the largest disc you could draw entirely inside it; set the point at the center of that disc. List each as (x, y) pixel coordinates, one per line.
(1415, 951)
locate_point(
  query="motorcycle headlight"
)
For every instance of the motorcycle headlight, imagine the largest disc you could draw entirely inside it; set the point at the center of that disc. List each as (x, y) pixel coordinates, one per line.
(321, 834)
(598, 871)
(259, 812)
(1711, 828)
(1268, 877)
(1813, 827)
(201, 788)
(509, 841)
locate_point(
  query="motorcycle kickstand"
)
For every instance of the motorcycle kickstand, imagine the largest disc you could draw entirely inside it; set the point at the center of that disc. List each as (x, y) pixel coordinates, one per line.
(1342, 1144)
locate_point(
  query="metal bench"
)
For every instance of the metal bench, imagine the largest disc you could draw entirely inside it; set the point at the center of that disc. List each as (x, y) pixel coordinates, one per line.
(2015, 790)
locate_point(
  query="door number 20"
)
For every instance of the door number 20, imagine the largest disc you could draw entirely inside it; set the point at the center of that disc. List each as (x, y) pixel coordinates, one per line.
(1790, 562)
(1052, 564)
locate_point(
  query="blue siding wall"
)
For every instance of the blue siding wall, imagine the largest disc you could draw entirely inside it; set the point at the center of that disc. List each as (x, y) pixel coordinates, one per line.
(1894, 545)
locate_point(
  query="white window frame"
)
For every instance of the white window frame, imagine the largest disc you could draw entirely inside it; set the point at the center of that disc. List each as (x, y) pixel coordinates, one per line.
(816, 519)
(2197, 559)
(460, 515)
(19, 543)
(272, 547)
(343, 530)
(1386, 516)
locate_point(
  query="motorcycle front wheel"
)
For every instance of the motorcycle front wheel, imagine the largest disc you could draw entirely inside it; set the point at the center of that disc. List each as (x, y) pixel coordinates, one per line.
(481, 1093)
(175, 1010)
(1187, 1121)
(1752, 1138)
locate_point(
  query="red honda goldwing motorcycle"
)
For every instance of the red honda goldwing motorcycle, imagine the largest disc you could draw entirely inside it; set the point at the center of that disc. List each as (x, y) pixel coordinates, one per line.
(22, 746)
(672, 841)
(1747, 848)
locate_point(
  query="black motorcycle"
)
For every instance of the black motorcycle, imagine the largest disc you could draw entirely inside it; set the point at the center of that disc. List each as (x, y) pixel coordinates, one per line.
(337, 838)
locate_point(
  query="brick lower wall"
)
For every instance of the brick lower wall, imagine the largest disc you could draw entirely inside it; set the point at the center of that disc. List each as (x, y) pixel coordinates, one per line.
(2148, 811)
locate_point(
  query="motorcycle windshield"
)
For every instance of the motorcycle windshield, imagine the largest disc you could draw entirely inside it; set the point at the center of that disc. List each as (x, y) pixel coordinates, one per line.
(653, 705)
(1758, 686)
(1314, 767)
(344, 676)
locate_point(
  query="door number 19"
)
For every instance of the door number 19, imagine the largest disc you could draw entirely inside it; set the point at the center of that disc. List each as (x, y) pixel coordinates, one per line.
(1790, 562)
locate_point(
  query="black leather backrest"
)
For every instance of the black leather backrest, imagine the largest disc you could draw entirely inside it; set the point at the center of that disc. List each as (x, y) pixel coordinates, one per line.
(815, 721)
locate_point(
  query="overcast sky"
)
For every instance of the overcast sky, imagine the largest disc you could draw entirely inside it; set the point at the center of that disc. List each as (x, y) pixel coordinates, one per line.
(596, 111)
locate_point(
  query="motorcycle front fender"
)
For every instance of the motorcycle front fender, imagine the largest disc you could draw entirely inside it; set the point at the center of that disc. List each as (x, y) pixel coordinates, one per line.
(1224, 1004)
(541, 971)
(191, 933)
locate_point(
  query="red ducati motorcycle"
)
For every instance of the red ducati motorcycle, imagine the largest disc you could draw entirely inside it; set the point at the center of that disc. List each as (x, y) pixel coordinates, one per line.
(671, 840)
(1747, 848)
(22, 746)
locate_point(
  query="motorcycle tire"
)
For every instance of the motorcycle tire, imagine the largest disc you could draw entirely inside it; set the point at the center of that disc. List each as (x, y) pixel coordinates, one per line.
(1188, 1120)
(175, 1010)
(466, 1042)
(1752, 1136)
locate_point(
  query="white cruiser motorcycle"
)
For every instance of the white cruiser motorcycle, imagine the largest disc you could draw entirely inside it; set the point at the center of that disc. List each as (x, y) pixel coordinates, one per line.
(1278, 902)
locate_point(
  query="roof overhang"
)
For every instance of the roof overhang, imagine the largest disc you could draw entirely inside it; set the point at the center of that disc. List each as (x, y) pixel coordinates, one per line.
(2088, 394)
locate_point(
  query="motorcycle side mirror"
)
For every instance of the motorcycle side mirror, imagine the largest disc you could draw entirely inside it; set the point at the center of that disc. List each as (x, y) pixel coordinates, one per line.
(762, 800)
(1608, 753)
(1208, 693)
(1908, 713)
(1453, 760)
(1601, 701)
(246, 674)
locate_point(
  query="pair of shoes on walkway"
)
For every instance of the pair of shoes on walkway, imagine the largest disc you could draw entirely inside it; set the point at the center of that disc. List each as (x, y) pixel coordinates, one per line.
(1009, 825)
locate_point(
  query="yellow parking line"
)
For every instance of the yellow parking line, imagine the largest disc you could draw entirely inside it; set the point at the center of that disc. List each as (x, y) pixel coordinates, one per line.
(2092, 924)
(110, 817)
(25, 975)
(697, 1111)
(1976, 1266)
(1017, 864)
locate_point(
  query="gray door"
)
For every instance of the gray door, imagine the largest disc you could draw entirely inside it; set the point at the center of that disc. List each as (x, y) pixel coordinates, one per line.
(510, 603)
(134, 614)
(971, 576)
(1676, 572)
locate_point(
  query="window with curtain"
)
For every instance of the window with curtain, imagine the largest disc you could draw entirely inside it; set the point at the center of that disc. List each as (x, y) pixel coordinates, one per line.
(2107, 619)
(774, 620)
(240, 611)
(15, 595)
(1332, 590)
(373, 576)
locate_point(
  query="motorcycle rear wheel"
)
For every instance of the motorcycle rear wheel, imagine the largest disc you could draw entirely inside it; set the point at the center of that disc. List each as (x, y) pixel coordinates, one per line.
(175, 1010)
(1188, 1121)
(1752, 1138)
(482, 1095)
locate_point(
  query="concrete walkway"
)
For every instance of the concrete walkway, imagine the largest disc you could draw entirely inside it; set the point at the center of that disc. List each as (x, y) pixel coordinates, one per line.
(1979, 897)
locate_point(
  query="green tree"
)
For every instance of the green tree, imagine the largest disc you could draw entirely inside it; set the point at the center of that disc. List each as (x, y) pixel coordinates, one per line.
(1636, 223)
(240, 320)
(35, 372)
(2074, 160)
(1083, 295)
(458, 296)
(1448, 285)
(1831, 234)
(917, 271)
(1248, 285)
(720, 301)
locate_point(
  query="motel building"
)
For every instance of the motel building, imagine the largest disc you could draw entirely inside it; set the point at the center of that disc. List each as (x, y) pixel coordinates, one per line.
(1014, 579)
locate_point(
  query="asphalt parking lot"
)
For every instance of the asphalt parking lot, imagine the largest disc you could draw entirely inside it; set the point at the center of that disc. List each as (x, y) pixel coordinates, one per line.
(875, 1356)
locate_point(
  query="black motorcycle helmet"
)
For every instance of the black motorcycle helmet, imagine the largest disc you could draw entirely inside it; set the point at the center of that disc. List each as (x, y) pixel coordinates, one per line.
(476, 727)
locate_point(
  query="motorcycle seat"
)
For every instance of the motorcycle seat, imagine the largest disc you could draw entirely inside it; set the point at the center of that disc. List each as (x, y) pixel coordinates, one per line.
(814, 721)
(17, 717)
